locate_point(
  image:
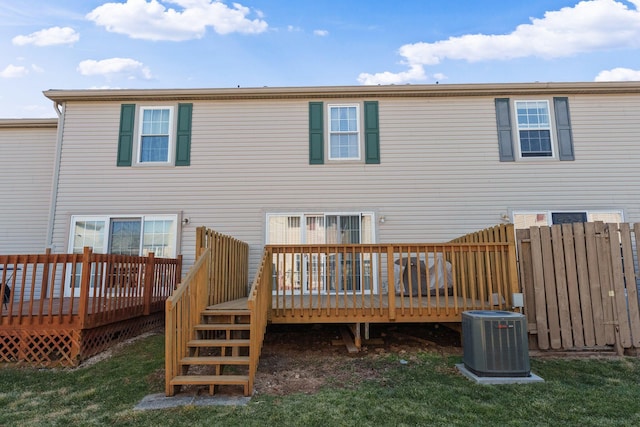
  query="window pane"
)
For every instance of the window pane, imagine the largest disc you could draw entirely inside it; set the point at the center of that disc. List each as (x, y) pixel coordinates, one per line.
(284, 230)
(154, 139)
(159, 238)
(535, 143)
(125, 236)
(88, 233)
(568, 217)
(154, 149)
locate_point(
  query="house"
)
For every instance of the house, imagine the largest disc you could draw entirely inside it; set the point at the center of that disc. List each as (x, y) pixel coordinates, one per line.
(325, 177)
(357, 164)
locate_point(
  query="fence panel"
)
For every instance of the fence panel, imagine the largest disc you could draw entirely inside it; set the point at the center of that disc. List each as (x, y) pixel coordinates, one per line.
(580, 285)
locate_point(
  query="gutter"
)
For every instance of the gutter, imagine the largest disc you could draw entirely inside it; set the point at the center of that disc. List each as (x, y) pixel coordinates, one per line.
(60, 111)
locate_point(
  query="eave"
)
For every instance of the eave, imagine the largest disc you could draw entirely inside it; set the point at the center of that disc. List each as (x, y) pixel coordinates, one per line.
(324, 92)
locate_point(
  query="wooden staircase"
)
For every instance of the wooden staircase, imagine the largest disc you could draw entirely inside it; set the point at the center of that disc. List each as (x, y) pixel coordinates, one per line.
(219, 354)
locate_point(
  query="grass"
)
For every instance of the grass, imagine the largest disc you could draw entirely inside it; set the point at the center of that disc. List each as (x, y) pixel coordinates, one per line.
(427, 391)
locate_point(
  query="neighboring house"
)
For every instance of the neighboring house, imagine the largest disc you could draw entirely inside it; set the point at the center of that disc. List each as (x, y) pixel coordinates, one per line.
(27, 152)
(138, 170)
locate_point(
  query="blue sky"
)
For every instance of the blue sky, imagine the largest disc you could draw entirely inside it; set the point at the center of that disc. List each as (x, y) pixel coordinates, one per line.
(89, 44)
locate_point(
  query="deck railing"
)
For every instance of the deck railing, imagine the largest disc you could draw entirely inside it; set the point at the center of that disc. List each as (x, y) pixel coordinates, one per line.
(229, 265)
(183, 310)
(259, 302)
(391, 281)
(84, 290)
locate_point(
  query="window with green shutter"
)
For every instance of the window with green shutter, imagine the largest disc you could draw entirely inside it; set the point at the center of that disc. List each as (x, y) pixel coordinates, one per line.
(160, 138)
(346, 139)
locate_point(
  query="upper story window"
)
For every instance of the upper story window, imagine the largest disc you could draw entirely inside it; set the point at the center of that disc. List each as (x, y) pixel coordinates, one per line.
(340, 132)
(531, 128)
(534, 128)
(155, 134)
(344, 132)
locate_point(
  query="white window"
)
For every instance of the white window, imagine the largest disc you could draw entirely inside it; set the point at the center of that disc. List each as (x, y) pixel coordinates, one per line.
(322, 273)
(126, 235)
(534, 128)
(344, 132)
(154, 142)
(526, 219)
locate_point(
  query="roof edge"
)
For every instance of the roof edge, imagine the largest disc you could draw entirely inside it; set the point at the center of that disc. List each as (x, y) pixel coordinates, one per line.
(431, 90)
(28, 123)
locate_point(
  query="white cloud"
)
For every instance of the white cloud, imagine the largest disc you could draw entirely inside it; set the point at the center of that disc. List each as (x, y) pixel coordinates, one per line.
(415, 73)
(590, 25)
(37, 68)
(618, 75)
(14, 71)
(48, 37)
(152, 20)
(321, 33)
(114, 66)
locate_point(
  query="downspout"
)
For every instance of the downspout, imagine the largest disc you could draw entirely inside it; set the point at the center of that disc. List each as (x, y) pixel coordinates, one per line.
(60, 111)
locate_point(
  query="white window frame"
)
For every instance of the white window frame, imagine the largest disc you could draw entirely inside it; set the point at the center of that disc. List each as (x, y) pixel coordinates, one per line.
(591, 214)
(170, 139)
(357, 132)
(107, 220)
(373, 263)
(548, 128)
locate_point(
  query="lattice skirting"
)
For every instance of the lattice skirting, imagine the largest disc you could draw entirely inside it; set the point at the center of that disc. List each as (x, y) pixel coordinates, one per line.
(68, 347)
(100, 339)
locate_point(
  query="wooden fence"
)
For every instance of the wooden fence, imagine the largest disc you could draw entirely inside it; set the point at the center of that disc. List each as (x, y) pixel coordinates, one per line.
(581, 285)
(61, 308)
(229, 277)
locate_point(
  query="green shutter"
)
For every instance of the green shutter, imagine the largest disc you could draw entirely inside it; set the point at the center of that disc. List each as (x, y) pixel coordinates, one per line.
(563, 128)
(183, 135)
(316, 136)
(371, 133)
(125, 139)
(505, 136)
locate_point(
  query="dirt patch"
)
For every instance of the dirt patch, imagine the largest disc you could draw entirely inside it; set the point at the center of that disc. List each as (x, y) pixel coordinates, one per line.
(304, 358)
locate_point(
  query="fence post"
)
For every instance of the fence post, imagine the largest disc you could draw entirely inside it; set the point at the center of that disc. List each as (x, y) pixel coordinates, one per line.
(149, 279)
(514, 284)
(391, 284)
(178, 272)
(85, 280)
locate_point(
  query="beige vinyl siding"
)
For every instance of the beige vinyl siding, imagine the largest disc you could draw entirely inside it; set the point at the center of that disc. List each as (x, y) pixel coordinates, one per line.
(439, 177)
(27, 152)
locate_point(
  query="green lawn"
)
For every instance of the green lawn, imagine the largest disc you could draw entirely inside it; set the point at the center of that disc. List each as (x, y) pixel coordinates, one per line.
(427, 391)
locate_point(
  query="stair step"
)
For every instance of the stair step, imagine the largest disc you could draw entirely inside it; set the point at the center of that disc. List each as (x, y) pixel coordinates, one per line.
(217, 312)
(215, 360)
(210, 380)
(222, 327)
(218, 343)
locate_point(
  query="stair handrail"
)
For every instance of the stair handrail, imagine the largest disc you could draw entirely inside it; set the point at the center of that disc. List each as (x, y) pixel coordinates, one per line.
(183, 310)
(259, 302)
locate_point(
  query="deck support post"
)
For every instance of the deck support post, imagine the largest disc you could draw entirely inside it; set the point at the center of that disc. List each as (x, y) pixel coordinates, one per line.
(391, 290)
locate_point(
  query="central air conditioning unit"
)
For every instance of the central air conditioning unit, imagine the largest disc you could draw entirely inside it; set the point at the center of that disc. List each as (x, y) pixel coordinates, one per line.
(495, 343)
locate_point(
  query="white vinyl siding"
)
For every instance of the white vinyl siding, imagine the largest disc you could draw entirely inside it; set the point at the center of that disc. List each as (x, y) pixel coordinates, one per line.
(440, 177)
(27, 155)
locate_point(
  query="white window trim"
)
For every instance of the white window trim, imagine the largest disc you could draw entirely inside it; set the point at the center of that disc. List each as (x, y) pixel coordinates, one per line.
(590, 213)
(170, 143)
(551, 131)
(358, 132)
(303, 228)
(108, 218)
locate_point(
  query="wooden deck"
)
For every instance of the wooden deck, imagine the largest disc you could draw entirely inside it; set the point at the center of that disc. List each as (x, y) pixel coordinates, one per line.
(112, 298)
(372, 309)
